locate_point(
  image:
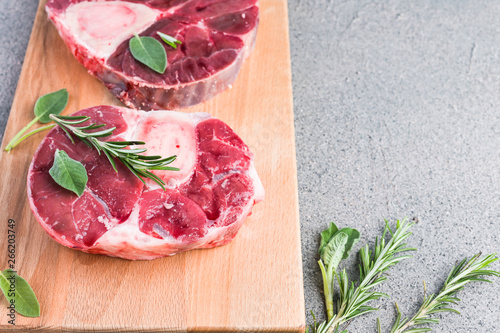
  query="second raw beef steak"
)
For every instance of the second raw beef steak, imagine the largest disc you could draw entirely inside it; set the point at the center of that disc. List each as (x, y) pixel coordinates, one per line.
(216, 36)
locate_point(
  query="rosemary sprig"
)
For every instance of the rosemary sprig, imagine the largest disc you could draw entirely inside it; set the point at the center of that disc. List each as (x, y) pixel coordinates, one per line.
(139, 165)
(353, 300)
(463, 273)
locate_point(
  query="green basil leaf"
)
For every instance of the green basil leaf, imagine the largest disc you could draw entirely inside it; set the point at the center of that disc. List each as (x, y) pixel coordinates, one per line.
(68, 173)
(53, 103)
(169, 40)
(21, 296)
(334, 250)
(353, 235)
(326, 235)
(150, 52)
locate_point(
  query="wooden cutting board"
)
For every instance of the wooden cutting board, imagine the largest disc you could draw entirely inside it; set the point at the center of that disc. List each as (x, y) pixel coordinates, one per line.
(252, 284)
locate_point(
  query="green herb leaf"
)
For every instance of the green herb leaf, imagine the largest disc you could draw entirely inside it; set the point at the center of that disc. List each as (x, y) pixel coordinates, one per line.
(353, 237)
(169, 40)
(326, 235)
(20, 295)
(334, 250)
(53, 103)
(150, 52)
(68, 173)
(332, 255)
(335, 246)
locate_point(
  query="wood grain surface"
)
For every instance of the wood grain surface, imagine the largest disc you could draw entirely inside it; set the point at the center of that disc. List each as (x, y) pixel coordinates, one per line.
(252, 284)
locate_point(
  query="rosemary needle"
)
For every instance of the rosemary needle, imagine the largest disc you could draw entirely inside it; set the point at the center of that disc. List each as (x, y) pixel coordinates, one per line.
(139, 165)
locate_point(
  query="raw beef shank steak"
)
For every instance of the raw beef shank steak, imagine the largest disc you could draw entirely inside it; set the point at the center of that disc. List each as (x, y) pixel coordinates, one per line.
(203, 206)
(216, 36)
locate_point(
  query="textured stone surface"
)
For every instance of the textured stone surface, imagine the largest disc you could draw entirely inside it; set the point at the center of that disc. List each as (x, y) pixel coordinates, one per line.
(397, 114)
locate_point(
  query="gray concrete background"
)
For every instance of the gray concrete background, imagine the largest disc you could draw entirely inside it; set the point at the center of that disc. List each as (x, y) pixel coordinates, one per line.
(396, 114)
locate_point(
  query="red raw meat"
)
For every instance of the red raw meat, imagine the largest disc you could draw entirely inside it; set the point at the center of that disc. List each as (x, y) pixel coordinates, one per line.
(204, 205)
(216, 36)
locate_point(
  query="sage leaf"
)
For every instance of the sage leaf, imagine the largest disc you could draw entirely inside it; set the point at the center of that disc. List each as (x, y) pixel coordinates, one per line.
(329, 233)
(150, 52)
(326, 235)
(68, 173)
(171, 41)
(332, 254)
(53, 103)
(334, 251)
(21, 295)
(353, 237)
